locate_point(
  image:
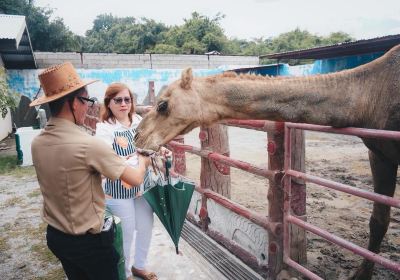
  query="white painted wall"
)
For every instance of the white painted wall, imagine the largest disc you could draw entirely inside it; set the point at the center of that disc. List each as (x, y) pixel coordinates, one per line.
(5, 126)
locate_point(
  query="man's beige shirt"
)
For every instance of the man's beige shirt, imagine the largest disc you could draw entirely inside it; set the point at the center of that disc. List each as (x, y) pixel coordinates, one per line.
(69, 163)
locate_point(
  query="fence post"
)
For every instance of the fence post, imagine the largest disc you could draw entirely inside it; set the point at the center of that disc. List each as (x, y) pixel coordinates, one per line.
(91, 119)
(179, 157)
(151, 93)
(215, 176)
(275, 199)
(298, 239)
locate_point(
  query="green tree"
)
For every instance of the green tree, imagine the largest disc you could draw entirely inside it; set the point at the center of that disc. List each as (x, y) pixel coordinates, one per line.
(198, 34)
(165, 49)
(289, 41)
(123, 35)
(336, 37)
(192, 46)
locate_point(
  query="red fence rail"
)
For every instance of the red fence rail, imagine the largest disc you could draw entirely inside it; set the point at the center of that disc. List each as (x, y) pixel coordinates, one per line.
(289, 218)
(273, 221)
(245, 166)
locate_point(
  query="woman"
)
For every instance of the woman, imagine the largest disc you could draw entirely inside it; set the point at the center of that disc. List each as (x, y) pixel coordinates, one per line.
(117, 128)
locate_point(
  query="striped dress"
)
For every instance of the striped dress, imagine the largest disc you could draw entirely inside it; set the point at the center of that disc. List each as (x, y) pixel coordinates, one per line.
(121, 138)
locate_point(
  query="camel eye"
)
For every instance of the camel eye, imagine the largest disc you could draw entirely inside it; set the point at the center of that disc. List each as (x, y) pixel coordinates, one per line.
(162, 106)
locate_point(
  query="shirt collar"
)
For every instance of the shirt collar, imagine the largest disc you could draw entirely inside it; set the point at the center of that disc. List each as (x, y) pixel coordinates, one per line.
(55, 123)
(120, 125)
(135, 121)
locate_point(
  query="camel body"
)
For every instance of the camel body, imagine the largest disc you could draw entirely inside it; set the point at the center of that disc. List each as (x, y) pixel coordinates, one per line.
(367, 96)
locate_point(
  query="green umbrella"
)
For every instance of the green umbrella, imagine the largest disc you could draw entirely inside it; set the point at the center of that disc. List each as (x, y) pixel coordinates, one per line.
(117, 243)
(170, 201)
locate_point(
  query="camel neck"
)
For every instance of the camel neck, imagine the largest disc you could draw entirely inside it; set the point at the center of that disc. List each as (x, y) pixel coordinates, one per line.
(323, 99)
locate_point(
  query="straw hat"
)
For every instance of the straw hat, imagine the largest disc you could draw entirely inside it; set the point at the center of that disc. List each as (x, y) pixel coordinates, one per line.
(58, 81)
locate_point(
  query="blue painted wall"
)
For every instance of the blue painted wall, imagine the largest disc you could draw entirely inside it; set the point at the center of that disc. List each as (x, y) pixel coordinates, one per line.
(318, 67)
(26, 81)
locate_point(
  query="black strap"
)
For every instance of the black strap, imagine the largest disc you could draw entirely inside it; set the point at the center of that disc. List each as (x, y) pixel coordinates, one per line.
(168, 165)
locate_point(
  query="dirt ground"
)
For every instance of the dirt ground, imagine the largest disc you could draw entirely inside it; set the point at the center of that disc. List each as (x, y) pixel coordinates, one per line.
(340, 158)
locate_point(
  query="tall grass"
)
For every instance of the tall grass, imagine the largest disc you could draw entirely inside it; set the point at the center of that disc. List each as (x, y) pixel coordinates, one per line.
(9, 166)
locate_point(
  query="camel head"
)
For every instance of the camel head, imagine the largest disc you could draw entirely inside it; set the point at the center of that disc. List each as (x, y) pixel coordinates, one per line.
(172, 115)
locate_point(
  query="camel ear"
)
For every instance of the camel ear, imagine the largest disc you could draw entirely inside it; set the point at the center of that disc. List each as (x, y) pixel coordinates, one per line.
(187, 78)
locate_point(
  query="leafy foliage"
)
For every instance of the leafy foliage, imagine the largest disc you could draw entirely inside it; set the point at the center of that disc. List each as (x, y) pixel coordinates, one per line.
(197, 35)
(123, 35)
(7, 97)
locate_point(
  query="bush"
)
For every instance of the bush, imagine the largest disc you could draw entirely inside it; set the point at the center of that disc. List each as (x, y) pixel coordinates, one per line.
(7, 97)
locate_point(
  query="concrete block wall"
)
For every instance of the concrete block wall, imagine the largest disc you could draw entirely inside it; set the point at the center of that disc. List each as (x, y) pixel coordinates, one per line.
(149, 61)
(46, 59)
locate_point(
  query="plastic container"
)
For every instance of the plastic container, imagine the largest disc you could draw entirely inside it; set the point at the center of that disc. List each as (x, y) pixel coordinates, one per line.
(23, 141)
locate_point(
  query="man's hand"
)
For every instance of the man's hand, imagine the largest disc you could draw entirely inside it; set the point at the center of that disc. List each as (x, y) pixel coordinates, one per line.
(165, 152)
(144, 159)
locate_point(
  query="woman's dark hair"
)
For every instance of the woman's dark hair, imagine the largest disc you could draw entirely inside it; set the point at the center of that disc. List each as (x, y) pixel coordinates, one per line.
(111, 91)
(56, 106)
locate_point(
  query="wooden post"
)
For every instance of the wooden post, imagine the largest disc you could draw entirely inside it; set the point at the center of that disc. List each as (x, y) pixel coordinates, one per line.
(298, 239)
(215, 176)
(179, 157)
(92, 118)
(275, 199)
(151, 93)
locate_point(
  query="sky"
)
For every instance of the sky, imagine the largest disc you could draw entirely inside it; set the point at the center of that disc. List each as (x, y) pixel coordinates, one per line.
(245, 19)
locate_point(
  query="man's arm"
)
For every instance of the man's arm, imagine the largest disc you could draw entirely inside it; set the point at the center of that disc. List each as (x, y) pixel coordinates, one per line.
(135, 176)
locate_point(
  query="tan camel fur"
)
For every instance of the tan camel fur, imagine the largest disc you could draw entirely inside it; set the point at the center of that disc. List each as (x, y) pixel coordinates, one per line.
(367, 96)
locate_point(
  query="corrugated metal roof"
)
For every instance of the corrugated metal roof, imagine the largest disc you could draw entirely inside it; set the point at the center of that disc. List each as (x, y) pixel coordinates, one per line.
(12, 27)
(374, 45)
(15, 44)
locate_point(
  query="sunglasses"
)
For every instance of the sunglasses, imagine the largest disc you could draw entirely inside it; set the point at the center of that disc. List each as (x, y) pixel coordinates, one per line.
(118, 100)
(90, 101)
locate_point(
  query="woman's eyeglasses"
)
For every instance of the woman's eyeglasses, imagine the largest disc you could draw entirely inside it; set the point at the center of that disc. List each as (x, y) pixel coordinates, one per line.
(118, 100)
(90, 101)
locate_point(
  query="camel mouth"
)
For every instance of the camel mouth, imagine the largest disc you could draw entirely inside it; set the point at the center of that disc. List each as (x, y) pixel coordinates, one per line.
(145, 152)
(152, 145)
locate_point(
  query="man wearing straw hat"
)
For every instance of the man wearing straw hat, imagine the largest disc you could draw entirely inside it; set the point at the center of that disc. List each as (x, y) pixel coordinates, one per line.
(69, 163)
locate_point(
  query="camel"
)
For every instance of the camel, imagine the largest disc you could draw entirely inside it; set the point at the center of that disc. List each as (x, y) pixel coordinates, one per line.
(367, 97)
